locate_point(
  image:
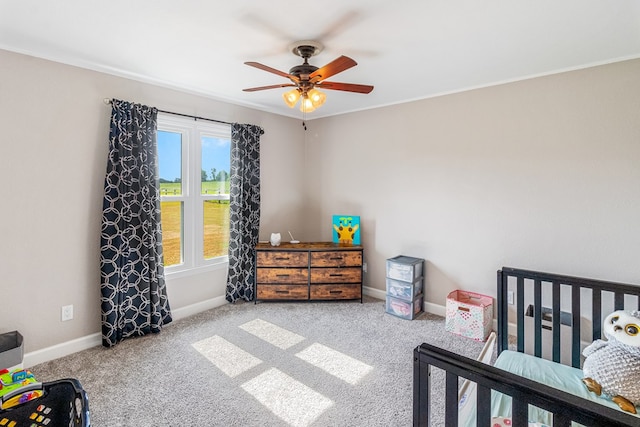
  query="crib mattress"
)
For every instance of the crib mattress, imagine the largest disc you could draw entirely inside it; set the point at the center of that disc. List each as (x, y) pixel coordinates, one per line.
(543, 371)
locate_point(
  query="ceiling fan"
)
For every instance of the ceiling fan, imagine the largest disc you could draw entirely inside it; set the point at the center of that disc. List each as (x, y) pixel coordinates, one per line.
(306, 79)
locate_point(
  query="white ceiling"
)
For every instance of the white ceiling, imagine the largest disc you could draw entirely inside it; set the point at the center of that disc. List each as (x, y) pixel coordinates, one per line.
(407, 49)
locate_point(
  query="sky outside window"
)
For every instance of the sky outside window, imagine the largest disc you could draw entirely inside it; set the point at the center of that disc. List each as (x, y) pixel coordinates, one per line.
(215, 154)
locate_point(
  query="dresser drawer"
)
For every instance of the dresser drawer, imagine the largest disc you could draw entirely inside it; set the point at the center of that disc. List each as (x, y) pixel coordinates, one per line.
(332, 292)
(288, 292)
(336, 259)
(336, 275)
(282, 275)
(282, 259)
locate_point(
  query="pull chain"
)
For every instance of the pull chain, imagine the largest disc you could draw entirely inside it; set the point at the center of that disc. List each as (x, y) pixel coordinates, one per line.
(304, 115)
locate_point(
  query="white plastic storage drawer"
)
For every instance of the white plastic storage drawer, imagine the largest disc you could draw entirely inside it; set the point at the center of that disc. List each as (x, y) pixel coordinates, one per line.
(404, 309)
(404, 290)
(405, 268)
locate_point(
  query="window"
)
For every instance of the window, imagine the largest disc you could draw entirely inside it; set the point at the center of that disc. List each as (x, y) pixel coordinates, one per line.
(194, 163)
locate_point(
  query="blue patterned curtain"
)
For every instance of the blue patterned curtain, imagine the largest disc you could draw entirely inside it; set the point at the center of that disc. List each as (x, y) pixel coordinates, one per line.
(134, 299)
(244, 211)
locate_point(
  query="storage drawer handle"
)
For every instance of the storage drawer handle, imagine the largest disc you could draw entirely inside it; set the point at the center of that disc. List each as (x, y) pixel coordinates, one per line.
(335, 258)
(284, 258)
(335, 292)
(282, 275)
(335, 275)
(282, 292)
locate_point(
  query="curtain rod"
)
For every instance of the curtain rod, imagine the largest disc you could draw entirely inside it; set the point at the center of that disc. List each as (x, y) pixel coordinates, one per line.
(108, 101)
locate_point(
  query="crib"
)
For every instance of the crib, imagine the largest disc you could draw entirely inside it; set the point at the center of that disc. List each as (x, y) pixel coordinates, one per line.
(551, 321)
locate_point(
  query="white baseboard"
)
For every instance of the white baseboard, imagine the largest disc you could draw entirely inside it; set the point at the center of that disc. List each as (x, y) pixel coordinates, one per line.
(373, 292)
(60, 350)
(199, 307)
(437, 309)
(66, 348)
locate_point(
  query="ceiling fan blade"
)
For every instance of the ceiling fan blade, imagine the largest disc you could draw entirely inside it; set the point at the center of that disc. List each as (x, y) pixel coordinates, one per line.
(332, 68)
(348, 87)
(254, 89)
(267, 68)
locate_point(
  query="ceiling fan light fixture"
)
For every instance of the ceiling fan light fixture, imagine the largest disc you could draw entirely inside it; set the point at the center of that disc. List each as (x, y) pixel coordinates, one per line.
(316, 97)
(306, 106)
(291, 97)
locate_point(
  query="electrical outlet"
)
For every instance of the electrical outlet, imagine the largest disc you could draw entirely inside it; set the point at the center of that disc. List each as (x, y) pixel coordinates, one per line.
(364, 267)
(66, 313)
(510, 297)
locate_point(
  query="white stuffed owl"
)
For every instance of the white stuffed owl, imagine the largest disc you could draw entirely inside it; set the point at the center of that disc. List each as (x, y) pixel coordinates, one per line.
(612, 367)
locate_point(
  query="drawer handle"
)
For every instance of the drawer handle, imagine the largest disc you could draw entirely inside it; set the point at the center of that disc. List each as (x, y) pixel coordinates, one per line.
(335, 275)
(335, 258)
(335, 292)
(284, 258)
(282, 292)
(282, 275)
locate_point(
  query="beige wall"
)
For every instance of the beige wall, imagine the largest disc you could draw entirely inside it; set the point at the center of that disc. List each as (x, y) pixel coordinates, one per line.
(52, 162)
(540, 174)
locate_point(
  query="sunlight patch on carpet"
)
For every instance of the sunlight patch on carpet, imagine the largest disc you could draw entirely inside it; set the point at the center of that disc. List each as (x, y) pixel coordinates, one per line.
(227, 357)
(272, 334)
(335, 363)
(290, 400)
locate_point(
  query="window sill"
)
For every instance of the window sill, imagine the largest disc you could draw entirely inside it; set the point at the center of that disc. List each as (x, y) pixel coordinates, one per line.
(181, 271)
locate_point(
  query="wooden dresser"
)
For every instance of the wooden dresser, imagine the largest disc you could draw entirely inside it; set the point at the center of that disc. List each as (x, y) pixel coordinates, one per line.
(308, 271)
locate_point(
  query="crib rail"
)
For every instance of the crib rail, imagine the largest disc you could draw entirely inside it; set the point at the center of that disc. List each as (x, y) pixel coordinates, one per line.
(533, 281)
(524, 392)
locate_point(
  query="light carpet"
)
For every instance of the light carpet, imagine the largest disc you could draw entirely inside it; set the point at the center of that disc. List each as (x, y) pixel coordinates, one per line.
(266, 364)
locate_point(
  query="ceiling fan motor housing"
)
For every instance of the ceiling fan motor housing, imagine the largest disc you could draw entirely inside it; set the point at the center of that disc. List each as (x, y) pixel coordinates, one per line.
(302, 71)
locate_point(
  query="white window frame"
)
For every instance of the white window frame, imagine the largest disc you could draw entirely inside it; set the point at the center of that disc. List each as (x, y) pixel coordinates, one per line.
(192, 131)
